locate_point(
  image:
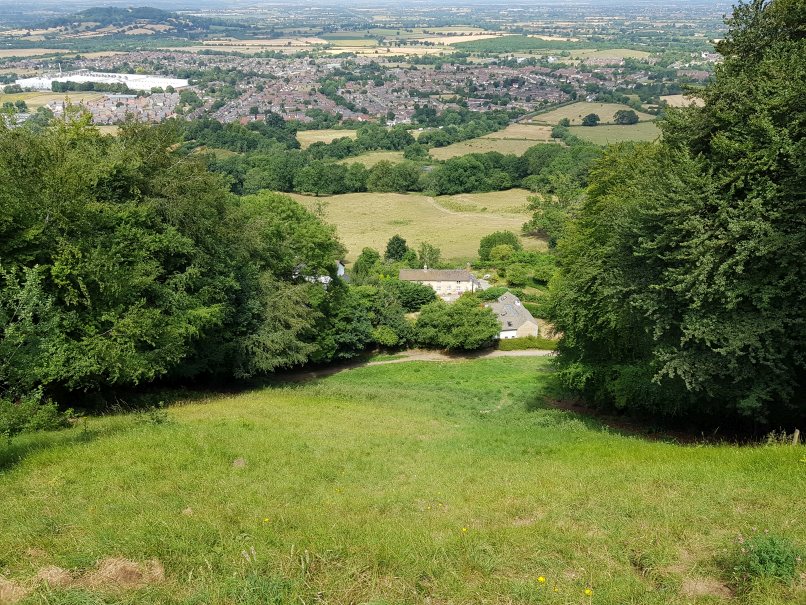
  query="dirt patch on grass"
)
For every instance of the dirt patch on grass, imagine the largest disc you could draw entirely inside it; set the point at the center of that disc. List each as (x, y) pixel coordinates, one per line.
(123, 573)
(705, 587)
(54, 576)
(11, 592)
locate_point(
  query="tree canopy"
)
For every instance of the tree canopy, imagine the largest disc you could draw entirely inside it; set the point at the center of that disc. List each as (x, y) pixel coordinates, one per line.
(681, 282)
(124, 261)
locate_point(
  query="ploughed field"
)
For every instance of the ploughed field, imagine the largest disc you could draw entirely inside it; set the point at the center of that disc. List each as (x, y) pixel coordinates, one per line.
(419, 482)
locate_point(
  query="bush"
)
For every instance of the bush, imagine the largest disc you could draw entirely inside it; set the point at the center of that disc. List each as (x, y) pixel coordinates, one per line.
(492, 293)
(464, 324)
(488, 242)
(385, 336)
(30, 413)
(764, 556)
(410, 295)
(527, 342)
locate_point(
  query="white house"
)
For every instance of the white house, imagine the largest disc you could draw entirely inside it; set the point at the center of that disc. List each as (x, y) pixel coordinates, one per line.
(515, 319)
(449, 284)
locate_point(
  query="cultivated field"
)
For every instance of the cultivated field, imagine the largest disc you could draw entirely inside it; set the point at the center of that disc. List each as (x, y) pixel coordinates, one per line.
(606, 134)
(29, 52)
(370, 219)
(576, 111)
(307, 138)
(406, 483)
(390, 50)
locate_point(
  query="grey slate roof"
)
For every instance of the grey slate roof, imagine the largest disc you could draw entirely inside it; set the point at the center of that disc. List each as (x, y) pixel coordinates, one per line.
(435, 275)
(510, 312)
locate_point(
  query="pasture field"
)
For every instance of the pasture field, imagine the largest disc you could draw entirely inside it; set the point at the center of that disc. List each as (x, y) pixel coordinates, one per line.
(576, 111)
(511, 201)
(522, 131)
(608, 133)
(40, 99)
(371, 158)
(307, 138)
(681, 100)
(353, 42)
(404, 483)
(370, 219)
(490, 142)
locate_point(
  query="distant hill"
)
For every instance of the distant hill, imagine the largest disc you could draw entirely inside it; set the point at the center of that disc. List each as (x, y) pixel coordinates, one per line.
(141, 20)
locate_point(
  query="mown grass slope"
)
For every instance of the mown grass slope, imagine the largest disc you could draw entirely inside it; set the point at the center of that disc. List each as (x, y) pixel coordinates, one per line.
(397, 484)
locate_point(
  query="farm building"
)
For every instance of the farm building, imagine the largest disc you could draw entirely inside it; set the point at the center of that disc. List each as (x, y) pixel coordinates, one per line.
(515, 319)
(449, 284)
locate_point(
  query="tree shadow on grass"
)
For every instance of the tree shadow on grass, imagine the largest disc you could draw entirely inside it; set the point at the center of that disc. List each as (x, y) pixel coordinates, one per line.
(13, 452)
(643, 427)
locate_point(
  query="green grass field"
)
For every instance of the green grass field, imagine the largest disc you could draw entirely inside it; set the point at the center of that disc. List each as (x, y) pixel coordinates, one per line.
(370, 219)
(409, 483)
(611, 133)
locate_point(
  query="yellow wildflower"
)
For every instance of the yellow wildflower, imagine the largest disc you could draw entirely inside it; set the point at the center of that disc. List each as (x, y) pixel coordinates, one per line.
(542, 580)
(588, 592)
(464, 529)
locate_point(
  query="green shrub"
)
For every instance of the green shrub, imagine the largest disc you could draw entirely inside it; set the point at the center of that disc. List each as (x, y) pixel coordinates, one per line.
(29, 413)
(527, 342)
(764, 557)
(492, 293)
(463, 325)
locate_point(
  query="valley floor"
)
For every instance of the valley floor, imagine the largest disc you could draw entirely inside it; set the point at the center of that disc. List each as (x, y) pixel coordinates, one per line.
(401, 483)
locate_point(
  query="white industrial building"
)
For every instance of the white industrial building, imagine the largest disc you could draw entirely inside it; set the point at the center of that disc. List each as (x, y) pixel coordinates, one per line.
(133, 81)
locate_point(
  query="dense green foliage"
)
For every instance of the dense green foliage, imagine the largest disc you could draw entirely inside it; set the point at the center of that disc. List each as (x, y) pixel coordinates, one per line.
(499, 238)
(462, 325)
(124, 261)
(681, 290)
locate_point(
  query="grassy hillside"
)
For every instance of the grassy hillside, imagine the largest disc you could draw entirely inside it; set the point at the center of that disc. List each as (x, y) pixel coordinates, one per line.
(402, 483)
